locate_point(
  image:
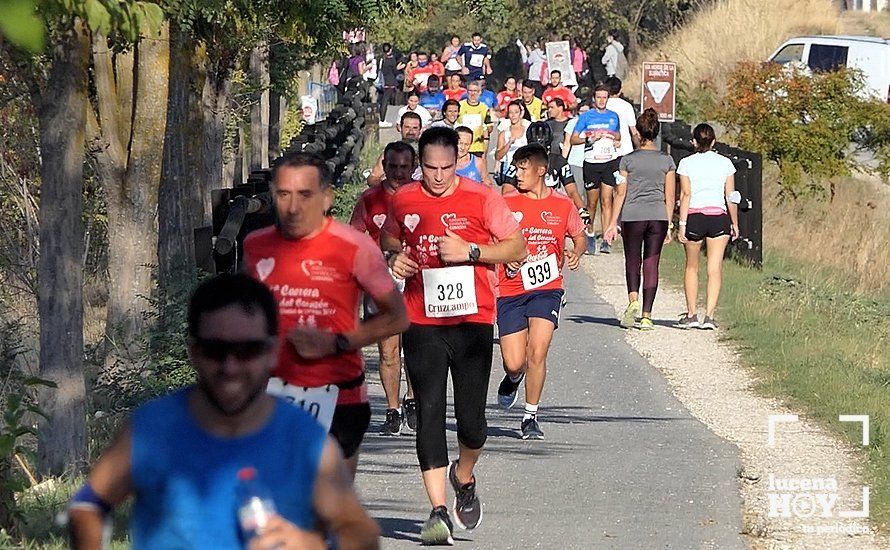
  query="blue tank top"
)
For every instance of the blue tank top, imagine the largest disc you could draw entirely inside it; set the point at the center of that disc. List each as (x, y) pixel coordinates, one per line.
(470, 171)
(185, 479)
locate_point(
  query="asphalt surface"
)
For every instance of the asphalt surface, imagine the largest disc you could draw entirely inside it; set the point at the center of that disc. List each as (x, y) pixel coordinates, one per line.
(623, 465)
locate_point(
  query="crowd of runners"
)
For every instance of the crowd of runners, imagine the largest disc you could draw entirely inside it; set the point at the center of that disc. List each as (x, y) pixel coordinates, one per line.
(463, 233)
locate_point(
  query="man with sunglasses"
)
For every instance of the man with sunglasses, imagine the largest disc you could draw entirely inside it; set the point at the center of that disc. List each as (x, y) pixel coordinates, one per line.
(319, 269)
(180, 456)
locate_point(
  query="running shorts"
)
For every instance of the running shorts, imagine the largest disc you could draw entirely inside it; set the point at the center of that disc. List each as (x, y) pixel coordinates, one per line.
(349, 426)
(596, 173)
(702, 226)
(515, 311)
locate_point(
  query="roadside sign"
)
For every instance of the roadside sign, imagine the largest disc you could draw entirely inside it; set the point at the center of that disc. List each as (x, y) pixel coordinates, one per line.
(559, 58)
(660, 89)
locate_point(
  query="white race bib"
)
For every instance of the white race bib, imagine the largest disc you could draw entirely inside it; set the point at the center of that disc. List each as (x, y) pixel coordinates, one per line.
(472, 121)
(540, 273)
(318, 402)
(604, 149)
(476, 59)
(449, 291)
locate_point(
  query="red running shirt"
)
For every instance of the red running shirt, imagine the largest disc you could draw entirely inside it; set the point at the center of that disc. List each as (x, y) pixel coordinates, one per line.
(560, 92)
(475, 212)
(318, 282)
(456, 95)
(371, 210)
(545, 224)
(504, 99)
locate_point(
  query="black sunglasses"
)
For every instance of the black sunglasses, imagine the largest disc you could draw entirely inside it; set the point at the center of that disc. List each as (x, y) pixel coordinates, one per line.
(245, 350)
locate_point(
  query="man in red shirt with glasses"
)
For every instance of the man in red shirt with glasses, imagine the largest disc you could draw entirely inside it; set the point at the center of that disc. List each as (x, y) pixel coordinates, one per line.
(318, 269)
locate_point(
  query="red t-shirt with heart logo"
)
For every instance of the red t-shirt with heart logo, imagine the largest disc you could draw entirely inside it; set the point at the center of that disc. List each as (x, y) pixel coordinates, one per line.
(476, 213)
(545, 224)
(371, 209)
(318, 282)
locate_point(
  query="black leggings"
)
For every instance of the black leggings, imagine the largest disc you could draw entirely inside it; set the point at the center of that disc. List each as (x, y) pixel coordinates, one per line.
(642, 248)
(430, 351)
(386, 97)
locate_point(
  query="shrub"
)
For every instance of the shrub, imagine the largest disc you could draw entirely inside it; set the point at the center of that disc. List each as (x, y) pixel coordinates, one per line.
(813, 126)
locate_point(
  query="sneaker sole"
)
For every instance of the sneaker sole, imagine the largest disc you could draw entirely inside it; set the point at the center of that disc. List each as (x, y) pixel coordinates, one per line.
(457, 520)
(505, 405)
(454, 516)
(707, 327)
(536, 437)
(439, 535)
(390, 434)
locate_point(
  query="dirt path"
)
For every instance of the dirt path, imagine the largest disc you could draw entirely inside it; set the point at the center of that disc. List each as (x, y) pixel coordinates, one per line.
(704, 374)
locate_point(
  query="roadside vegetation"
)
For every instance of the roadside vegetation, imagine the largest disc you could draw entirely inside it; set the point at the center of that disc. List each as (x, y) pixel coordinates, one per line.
(812, 324)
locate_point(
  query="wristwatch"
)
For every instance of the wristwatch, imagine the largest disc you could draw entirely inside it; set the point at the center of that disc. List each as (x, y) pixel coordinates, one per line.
(475, 252)
(341, 343)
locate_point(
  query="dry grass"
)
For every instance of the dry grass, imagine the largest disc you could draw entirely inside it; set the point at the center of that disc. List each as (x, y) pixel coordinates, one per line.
(849, 236)
(868, 24)
(715, 40)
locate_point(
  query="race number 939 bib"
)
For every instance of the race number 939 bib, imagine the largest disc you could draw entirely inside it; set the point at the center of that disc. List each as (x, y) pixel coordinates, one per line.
(449, 291)
(540, 273)
(319, 402)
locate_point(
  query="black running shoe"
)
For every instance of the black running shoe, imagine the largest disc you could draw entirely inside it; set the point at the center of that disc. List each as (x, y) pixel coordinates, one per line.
(531, 430)
(393, 423)
(438, 529)
(467, 510)
(507, 391)
(409, 413)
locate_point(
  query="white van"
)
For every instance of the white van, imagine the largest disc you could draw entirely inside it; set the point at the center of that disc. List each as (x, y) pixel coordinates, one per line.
(826, 53)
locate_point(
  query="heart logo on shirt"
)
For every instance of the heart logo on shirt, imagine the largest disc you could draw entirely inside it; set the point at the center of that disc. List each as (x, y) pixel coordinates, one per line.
(264, 268)
(518, 216)
(411, 221)
(378, 220)
(446, 217)
(546, 214)
(307, 265)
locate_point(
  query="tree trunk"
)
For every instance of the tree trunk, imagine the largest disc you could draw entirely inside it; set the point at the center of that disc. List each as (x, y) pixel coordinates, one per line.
(216, 94)
(277, 110)
(132, 197)
(259, 109)
(179, 200)
(62, 118)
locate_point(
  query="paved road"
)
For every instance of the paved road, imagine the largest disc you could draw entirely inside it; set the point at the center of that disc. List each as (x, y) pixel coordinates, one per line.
(624, 465)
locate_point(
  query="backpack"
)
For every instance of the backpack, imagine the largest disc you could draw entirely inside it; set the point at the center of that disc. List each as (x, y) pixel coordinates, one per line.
(621, 66)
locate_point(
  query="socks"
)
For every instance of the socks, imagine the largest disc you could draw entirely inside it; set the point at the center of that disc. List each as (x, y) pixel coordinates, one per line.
(515, 377)
(531, 411)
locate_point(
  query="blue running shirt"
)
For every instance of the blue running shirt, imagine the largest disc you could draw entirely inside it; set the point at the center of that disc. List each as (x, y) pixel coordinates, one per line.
(602, 150)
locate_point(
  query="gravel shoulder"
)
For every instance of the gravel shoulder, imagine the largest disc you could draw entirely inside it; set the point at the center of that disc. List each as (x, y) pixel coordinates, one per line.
(705, 375)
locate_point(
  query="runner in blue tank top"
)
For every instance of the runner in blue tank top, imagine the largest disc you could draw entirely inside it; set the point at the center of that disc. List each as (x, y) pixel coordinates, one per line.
(179, 456)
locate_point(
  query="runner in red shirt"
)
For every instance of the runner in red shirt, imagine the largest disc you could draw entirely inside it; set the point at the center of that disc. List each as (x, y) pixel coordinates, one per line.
(557, 90)
(455, 89)
(420, 74)
(508, 94)
(318, 268)
(531, 290)
(446, 234)
(399, 162)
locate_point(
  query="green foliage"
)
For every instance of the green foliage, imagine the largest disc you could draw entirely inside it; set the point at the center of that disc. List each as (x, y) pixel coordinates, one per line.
(21, 25)
(811, 125)
(18, 405)
(347, 195)
(160, 363)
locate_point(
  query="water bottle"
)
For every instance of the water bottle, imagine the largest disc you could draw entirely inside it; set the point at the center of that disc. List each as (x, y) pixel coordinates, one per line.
(255, 504)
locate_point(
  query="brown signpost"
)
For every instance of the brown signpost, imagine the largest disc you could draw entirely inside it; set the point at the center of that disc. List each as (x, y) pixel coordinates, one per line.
(660, 89)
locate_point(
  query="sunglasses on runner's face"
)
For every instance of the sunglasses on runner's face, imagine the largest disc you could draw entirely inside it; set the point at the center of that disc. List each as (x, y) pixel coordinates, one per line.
(218, 350)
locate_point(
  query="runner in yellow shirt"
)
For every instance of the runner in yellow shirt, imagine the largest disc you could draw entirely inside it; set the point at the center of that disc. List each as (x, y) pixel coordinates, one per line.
(474, 115)
(533, 103)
